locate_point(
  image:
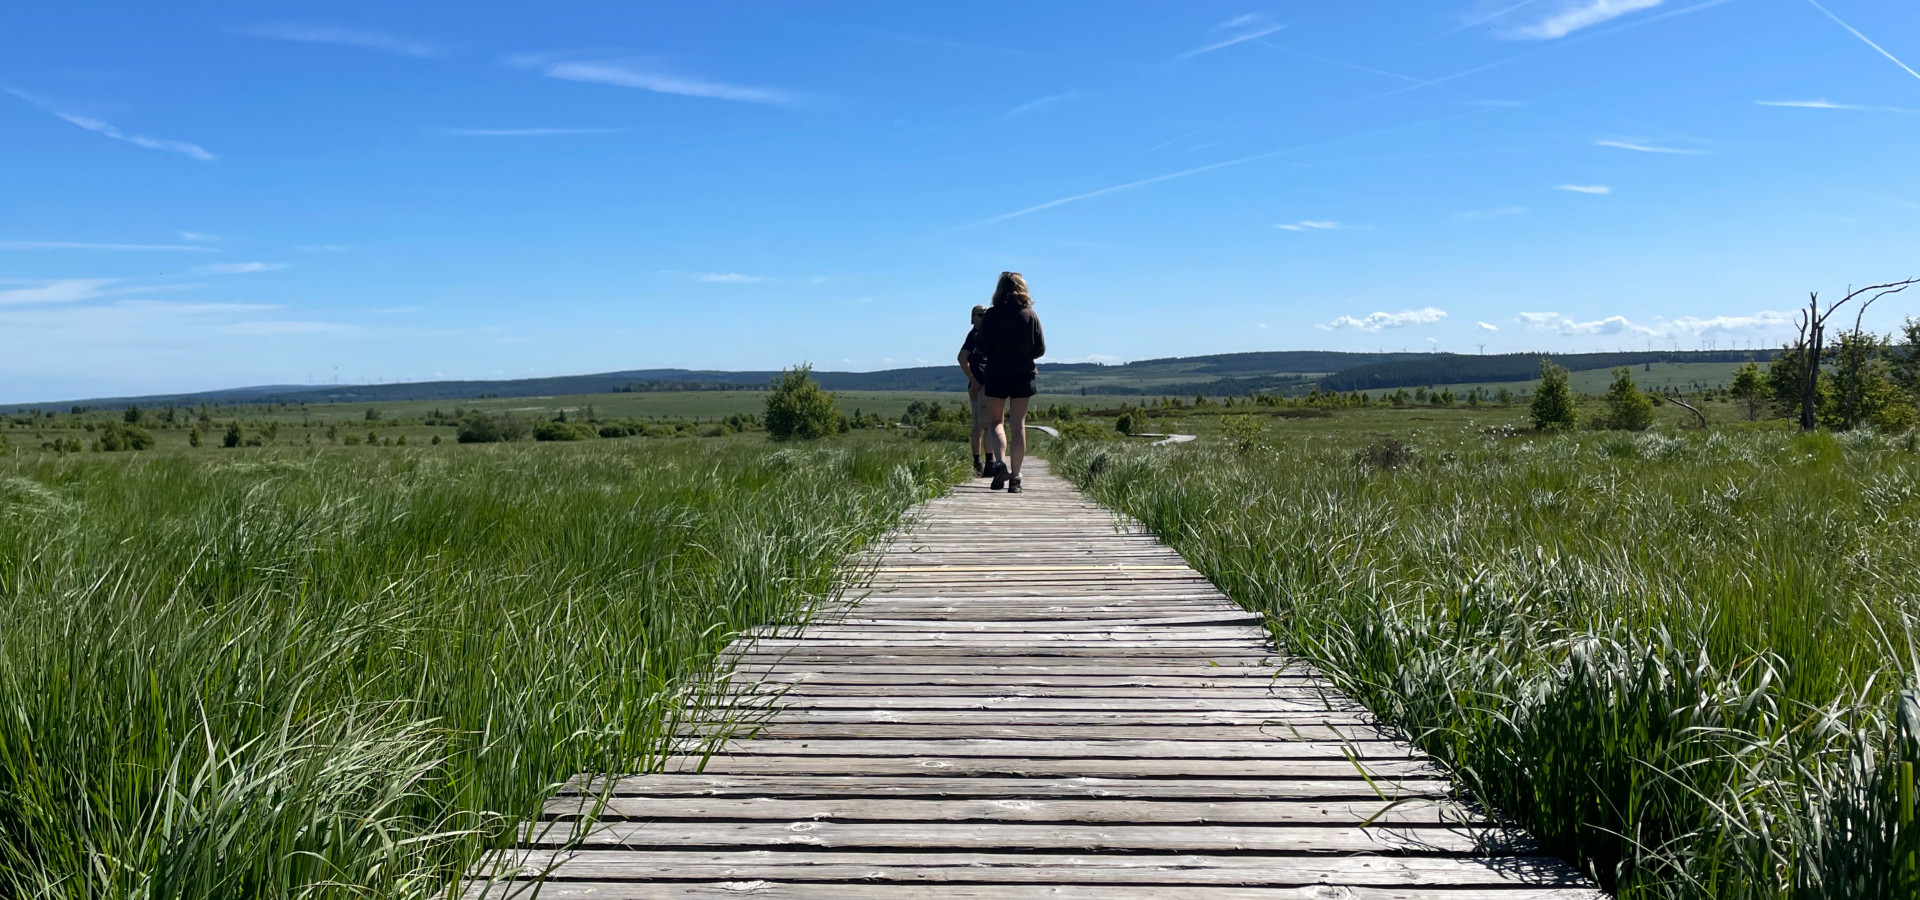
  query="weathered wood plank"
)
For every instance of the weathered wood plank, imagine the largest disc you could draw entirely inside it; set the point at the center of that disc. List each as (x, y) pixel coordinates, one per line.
(932, 787)
(1112, 811)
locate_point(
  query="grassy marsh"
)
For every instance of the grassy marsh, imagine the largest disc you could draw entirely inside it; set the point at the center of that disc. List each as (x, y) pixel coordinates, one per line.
(284, 673)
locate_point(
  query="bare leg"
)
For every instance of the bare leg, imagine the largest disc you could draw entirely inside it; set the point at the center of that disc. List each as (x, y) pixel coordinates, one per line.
(1017, 427)
(979, 431)
(997, 435)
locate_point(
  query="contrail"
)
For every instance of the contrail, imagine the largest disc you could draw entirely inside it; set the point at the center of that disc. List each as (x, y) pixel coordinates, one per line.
(1336, 62)
(1185, 172)
(1565, 42)
(1483, 20)
(1869, 41)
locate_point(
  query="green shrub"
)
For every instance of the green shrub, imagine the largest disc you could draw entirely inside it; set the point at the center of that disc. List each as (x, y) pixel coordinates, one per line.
(945, 431)
(120, 436)
(1130, 422)
(797, 409)
(235, 435)
(1628, 408)
(1242, 432)
(1553, 405)
(6, 447)
(561, 431)
(1083, 430)
(480, 428)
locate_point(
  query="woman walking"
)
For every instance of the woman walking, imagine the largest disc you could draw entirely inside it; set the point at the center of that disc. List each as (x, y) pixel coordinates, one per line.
(1010, 335)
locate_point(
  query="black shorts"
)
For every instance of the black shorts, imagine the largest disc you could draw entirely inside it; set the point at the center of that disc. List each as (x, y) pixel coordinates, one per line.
(1005, 388)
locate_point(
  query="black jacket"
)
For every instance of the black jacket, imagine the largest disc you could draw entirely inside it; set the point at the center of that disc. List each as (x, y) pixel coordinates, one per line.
(1011, 339)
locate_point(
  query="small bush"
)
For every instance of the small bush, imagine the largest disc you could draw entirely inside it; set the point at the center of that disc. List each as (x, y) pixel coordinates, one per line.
(797, 409)
(945, 431)
(561, 431)
(1628, 409)
(1384, 453)
(6, 448)
(1129, 422)
(1243, 432)
(480, 428)
(1083, 430)
(1553, 405)
(235, 435)
(120, 436)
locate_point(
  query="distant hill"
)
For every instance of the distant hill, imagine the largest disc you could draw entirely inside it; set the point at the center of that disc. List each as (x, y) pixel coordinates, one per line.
(1228, 373)
(1453, 368)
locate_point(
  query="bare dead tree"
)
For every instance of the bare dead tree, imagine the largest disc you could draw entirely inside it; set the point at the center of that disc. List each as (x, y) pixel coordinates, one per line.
(1812, 327)
(1690, 408)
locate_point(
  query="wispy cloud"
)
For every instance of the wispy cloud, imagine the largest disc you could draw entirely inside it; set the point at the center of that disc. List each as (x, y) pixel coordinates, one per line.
(1171, 141)
(1827, 104)
(1246, 28)
(1548, 321)
(105, 130)
(1122, 187)
(1688, 326)
(1584, 188)
(636, 74)
(82, 245)
(1580, 14)
(1342, 63)
(1321, 225)
(237, 268)
(272, 327)
(1864, 39)
(320, 248)
(1044, 102)
(198, 236)
(1639, 147)
(63, 290)
(1482, 20)
(723, 277)
(1381, 320)
(1475, 215)
(346, 37)
(1487, 326)
(526, 132)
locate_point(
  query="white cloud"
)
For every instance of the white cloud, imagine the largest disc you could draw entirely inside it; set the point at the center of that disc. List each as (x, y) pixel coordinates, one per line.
(1321, 225)
(628, 73)
(1762, 321)
(105, 130)
(1379, 320)
(1487, 326)
(82, 245)
(237, 268)
(320, 248)
(527, 132)
(1475, 215)
(1639, 147)
(198, 236)
(1584, 188)
(1046, 101)
(1580, 14)
(1566, 325)
(346, 37)
(63, 290)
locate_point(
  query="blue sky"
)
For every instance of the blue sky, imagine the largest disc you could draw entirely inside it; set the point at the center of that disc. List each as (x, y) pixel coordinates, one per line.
(206, 195)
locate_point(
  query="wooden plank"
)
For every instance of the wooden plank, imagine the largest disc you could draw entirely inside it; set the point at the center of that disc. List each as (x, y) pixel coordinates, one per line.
(665, 785)
(992, 837)
(1117, 810)
(789, 890)
(1052, 749)
(1045, 766)
(1041, 868)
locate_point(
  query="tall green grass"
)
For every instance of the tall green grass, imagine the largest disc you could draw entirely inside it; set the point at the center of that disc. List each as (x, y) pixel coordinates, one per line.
(1684, 661)
(348, 674)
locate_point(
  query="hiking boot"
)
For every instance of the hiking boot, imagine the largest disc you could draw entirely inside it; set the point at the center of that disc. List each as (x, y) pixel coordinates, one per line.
(999, 473)
(979, 471)
(1013, 485)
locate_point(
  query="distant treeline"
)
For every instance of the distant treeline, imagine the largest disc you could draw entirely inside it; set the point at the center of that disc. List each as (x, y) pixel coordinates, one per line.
(1453, 368)
(655, 387)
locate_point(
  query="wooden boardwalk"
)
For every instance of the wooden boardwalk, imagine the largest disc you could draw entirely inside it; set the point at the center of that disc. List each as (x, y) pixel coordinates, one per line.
(1029, 702)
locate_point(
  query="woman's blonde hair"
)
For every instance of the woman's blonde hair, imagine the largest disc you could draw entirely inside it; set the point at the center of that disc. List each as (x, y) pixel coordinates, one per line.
(1012, 291)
